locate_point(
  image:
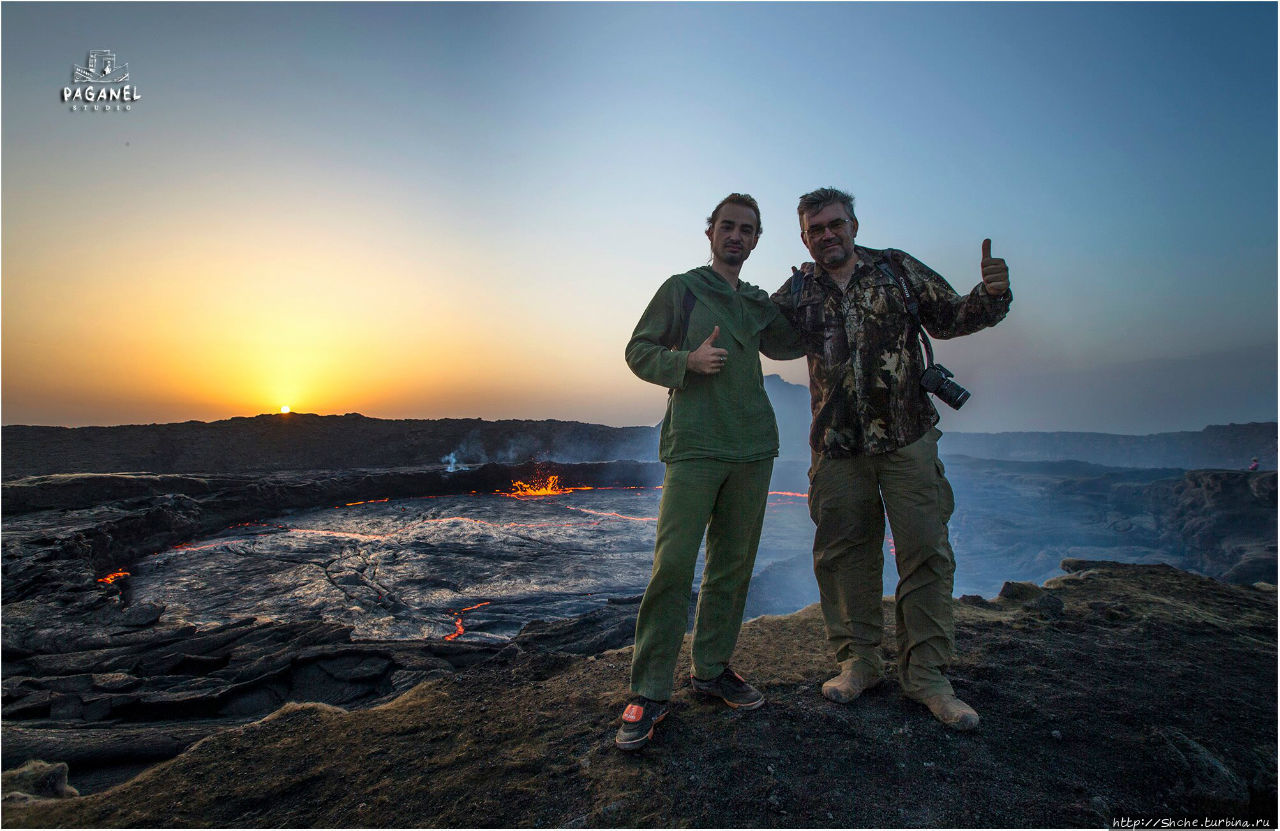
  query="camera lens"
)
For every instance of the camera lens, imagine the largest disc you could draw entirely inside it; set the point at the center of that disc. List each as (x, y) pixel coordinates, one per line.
(953, 394)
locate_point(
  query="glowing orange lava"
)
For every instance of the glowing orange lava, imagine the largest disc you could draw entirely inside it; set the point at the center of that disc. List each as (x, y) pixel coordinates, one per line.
(112, 577)
(610, 513)
(457, 620)
(549, 486)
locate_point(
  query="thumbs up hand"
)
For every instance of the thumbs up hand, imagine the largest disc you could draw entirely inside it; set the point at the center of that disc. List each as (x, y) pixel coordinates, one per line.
(995, 274)
(708, 359)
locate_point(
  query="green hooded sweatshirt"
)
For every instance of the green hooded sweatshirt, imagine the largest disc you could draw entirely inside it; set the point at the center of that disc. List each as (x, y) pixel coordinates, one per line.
(725, 416)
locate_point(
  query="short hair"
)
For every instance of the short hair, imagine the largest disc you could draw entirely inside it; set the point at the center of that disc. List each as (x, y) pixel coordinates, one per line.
(816, 200)
(743, 199)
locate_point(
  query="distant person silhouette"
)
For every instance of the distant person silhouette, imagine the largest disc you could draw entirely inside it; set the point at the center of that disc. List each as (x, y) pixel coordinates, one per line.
(1254, 464)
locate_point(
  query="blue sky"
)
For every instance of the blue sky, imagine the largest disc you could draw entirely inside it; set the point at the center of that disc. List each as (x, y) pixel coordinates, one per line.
(461, 209)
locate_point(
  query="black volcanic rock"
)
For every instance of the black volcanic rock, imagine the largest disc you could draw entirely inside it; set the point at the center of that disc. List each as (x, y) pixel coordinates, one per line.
(610, 627)
(1167, 711)
(1224, 521)
(79, 652)
(302, 441)
(81, 655)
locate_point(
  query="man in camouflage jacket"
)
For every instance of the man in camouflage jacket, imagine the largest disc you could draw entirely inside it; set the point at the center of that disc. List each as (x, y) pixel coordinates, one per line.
(875, 447)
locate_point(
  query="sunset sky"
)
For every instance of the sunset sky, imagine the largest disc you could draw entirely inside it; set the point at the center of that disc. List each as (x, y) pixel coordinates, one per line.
(440, 210)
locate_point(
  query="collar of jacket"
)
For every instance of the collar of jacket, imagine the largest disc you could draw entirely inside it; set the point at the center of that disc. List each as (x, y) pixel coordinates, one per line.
(742, 313)
(867, 258)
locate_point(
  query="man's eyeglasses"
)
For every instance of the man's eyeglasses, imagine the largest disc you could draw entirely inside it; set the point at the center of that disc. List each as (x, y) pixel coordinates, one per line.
(835, 226)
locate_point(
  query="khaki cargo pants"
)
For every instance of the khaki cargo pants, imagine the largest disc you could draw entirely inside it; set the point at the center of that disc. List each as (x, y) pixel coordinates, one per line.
(726, 500)
(848, 500)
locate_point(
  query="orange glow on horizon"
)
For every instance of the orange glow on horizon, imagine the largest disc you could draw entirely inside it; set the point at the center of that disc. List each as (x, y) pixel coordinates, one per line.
(258, 319)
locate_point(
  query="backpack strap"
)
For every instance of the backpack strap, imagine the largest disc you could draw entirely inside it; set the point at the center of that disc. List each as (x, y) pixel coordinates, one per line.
(890, 268)
(687, 306)
(797, 286)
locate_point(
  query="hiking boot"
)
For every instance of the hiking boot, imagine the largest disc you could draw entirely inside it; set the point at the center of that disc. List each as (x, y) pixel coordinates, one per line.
(851, 683)
(951, 711)
(638, 721)
(730, 687)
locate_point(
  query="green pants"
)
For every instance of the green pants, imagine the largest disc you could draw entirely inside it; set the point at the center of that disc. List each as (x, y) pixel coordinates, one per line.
(727, 501)
(848, 500)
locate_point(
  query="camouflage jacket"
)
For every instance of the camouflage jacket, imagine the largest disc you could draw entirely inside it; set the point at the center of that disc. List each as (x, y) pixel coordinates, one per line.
(864, 355)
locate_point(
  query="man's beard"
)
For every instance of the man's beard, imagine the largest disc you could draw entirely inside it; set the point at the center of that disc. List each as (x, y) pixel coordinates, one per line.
(834, 257)
(733, 257)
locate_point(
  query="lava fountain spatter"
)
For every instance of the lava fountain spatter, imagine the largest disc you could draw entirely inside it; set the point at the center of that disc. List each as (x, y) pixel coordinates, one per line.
(542, 486)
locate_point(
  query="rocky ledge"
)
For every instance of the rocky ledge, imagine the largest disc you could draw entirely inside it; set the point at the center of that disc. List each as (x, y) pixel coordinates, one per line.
(1136, 691)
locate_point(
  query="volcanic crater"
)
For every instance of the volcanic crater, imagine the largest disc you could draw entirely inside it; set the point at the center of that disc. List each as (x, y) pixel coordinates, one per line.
(143, 612)
(417, 567)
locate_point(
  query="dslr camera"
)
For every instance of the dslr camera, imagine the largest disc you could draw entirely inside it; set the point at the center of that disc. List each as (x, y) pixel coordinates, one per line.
(937, 380)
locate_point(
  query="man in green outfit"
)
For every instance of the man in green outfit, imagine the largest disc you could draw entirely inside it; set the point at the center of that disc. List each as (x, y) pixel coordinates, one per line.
(701, 337)
(875, 446)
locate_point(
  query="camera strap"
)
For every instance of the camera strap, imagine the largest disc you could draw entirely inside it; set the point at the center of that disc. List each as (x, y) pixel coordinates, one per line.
(889, 267)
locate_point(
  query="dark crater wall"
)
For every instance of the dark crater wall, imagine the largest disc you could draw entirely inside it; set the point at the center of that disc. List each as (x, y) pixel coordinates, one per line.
(302, 441)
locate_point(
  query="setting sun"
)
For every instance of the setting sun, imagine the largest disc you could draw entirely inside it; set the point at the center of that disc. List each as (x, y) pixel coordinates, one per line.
(285, 408)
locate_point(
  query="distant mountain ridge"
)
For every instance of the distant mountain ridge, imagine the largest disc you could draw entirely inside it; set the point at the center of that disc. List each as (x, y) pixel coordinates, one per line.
(1217, 446)
(304, 441)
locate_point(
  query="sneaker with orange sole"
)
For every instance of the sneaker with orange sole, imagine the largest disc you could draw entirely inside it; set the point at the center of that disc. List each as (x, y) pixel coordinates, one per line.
(638, 721)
